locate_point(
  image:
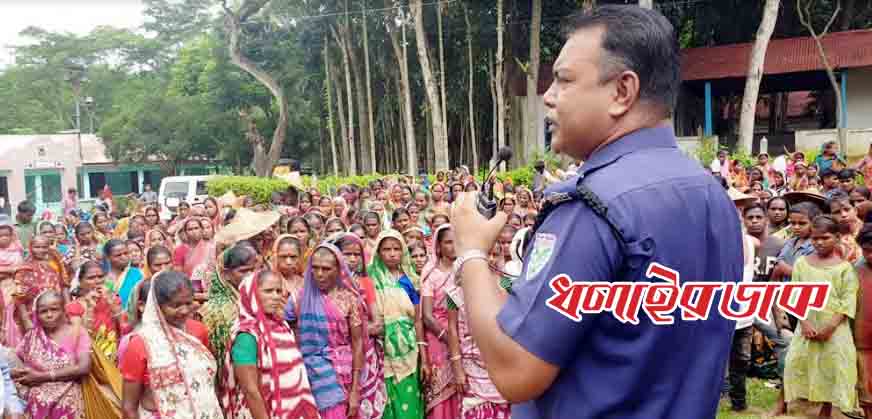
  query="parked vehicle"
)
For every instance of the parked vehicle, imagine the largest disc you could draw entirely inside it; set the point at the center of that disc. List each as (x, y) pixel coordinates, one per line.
(175, 189)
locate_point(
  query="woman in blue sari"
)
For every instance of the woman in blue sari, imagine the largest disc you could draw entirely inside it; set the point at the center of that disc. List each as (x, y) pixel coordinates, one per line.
(122, 278)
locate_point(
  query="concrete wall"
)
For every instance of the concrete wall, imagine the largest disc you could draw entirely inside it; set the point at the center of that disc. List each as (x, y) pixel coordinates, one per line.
(858, 139)
(859, 98)
(21, 155)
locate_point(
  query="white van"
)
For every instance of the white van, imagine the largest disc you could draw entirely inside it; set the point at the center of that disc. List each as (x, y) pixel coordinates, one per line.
(175, 189)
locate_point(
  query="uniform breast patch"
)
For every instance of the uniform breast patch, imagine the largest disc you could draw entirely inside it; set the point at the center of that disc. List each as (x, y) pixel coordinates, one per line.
(543, 248)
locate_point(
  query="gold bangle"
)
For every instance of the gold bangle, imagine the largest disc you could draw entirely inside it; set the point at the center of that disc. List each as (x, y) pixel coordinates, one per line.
(422, 343)
(456, 357)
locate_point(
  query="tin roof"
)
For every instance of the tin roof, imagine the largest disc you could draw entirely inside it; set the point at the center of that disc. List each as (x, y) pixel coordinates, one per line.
(848, 49)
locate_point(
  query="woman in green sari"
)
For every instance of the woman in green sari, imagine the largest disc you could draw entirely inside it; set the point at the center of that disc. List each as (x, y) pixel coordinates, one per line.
(397, 309)
(221, 309)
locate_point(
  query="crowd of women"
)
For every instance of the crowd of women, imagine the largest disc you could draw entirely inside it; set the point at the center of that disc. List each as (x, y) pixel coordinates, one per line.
(807, 222)
(304, 307)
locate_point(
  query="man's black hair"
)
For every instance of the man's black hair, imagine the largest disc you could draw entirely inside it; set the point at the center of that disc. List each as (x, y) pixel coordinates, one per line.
(847, 174)
(837, 197)
(26, 207)
(639, 40)
(828, 172)
(753, 206)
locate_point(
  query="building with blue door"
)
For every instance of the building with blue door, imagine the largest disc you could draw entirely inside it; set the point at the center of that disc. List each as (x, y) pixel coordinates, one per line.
(41, 168)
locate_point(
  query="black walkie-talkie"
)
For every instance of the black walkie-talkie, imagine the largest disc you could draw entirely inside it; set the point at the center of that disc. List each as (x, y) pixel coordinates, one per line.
(486, 204)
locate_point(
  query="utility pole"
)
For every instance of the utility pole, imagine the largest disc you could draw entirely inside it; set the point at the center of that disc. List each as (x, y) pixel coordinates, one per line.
(75, 75)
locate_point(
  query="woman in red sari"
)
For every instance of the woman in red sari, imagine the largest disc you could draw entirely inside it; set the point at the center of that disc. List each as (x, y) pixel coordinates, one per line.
(34, 277)
(268, 378)
(287, 261)
(55, 357)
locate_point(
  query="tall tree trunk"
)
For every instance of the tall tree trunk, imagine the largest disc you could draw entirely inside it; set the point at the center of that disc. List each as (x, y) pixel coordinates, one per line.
(233, 24)
(648, 4)
(343, 125)
(404, 88)
(500, 88)
(330, 123)
(439, 10)
(755, 75)
(428, 144)
(848, 15)
(530, 139)
(401, 137)
(366, 164)
(258, 143)
(471, 91)
(440, 141)
(495, 114)
(369, 107)
(352, 156)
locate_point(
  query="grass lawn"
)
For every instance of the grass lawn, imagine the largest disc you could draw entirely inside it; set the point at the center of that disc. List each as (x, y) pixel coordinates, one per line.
(761, 399)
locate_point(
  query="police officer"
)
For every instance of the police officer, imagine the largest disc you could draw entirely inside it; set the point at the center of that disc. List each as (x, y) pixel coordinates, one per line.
(615, 83)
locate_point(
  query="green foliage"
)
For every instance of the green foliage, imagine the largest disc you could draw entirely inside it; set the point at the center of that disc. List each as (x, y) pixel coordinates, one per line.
(330, 184)
(172, 128)
(707, 151)
(120, 204)
(258, 188)
(745, 159)
(519, 177)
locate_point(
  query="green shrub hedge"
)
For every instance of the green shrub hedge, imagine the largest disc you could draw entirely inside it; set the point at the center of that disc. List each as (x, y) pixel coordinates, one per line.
(260, 189)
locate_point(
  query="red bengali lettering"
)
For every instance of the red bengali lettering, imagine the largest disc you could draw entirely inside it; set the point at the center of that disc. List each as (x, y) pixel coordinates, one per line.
(699, 308)
(567, 297)
(753, 305)
(661, 299)
(625, 300)
(594, 298)
(760, 296)
(812, 296)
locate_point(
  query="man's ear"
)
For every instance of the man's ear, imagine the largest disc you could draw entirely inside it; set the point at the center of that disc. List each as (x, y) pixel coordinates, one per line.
(625, 94)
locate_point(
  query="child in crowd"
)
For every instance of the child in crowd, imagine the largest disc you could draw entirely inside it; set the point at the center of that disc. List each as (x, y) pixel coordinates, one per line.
(821, 365)
(863, 321)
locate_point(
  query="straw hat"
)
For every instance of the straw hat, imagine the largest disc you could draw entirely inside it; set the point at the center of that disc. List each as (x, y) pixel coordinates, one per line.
(740, 198)
(796, 197)
(245, 225)
(228, 199)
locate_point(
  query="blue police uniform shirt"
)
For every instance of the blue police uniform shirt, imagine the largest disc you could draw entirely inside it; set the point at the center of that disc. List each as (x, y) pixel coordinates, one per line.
(673, 213)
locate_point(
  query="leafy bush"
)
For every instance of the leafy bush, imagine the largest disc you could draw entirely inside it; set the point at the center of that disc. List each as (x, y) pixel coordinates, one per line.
(519, 177)
(258, 188)
(330, 184)
(707, 151)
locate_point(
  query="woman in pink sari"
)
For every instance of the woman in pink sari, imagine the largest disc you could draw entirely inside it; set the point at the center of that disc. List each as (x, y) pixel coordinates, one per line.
(373, 395)
(11, 256)
(55, 356)
(481, 400)
(331, 320)
(443, 401)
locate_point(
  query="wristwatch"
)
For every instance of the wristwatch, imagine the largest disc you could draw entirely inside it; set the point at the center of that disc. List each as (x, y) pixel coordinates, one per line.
(465, 257)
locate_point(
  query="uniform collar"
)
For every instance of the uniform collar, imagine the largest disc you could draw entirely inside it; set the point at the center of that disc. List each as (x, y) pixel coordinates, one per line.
(661, 136)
